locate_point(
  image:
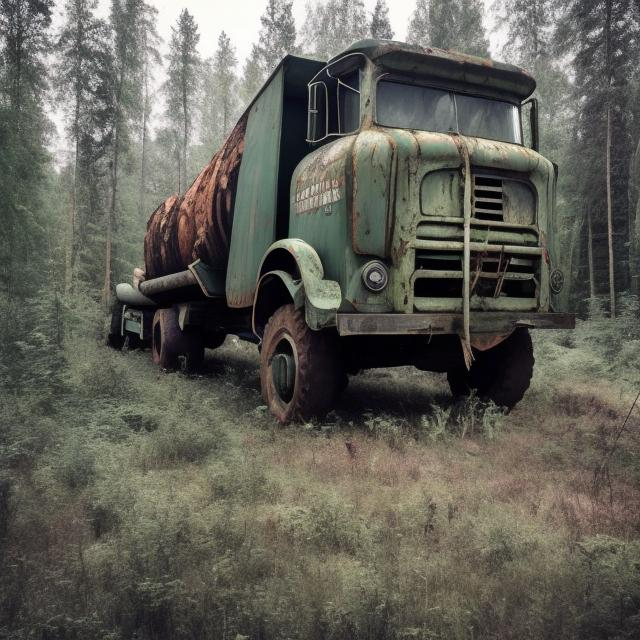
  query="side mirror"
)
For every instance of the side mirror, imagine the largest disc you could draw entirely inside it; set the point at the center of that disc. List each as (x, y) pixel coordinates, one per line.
(531, 105)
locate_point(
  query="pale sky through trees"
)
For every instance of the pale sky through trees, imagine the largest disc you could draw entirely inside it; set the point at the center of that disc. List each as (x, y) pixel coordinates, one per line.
(241, 19)
(241, 22)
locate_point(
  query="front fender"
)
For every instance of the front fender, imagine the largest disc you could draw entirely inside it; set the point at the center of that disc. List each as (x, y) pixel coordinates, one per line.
(322, 298)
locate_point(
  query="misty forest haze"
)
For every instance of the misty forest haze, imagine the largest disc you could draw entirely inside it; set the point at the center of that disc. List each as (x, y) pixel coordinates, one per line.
(136, 503)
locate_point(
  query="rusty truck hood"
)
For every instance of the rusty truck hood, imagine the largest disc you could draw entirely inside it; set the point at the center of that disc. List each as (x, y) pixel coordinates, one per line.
(417, 173)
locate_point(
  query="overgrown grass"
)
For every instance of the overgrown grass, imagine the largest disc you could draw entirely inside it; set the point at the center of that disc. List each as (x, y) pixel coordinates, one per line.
(153, 505)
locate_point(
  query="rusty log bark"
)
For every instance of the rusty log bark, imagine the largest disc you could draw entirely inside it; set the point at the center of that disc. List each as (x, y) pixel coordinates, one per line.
(181, 230)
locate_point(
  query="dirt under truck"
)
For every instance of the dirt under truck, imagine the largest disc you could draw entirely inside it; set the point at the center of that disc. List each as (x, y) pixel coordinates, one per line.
(378, 210)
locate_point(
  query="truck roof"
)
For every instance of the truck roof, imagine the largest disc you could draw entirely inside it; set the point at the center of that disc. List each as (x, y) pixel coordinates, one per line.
(445, 64)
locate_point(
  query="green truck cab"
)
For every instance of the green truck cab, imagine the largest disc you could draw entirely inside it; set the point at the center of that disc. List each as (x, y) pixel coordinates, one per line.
(388, 212)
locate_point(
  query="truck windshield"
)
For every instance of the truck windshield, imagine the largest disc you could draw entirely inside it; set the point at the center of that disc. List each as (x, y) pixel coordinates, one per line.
(407, 106)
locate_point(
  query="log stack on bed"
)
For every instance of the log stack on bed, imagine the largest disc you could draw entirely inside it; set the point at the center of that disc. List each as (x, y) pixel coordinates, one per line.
(198, 225)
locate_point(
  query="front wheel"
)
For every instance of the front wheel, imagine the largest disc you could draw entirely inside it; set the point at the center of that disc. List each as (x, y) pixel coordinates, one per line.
(300, 372)
(502, 374)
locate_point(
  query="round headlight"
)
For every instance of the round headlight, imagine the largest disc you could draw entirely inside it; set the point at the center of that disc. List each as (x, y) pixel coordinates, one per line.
(375, 276)
(556, 280)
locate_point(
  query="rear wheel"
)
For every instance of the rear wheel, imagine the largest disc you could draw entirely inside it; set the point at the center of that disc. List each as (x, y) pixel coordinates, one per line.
(502, 374)
(170, 344)
(300, 372)
(115, 339)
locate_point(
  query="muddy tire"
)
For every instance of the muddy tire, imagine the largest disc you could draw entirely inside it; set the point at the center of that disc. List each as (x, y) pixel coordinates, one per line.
(115, 339)
(166, 339)
(502, 374)
(171, 347)
(300, 372)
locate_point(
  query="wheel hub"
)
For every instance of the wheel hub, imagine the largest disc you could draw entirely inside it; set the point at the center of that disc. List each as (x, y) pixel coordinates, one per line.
(283, 367)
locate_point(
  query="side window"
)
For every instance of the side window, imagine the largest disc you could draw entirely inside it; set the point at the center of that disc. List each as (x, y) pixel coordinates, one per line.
(334, 99)
(349, 102)
(317, 123)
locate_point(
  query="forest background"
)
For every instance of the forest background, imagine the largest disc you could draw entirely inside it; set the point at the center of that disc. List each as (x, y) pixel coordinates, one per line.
(96, 539)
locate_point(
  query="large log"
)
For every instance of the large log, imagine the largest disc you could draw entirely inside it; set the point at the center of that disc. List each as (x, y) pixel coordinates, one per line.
(198, 225)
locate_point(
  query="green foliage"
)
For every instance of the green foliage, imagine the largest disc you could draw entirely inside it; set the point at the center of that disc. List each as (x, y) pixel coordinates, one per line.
(603, 40)
(468, 418)
(599, 347)
(380, 26)
(333, 25)
(611, 574)
(177, 442)
(75, 464)
(156, 504)
(219, 96)
(181, 87)
(327, 525)
(277, 35)
(448, 25)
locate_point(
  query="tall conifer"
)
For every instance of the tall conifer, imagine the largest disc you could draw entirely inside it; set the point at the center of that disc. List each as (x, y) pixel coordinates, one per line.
(380, 24)
(182, 86)
(449, 25)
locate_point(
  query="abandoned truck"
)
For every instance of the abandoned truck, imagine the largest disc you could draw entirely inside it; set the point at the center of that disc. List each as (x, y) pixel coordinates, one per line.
(379, 210)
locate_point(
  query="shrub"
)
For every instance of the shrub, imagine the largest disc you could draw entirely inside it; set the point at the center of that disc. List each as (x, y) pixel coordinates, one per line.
(471, 416)
(327, 524)
(177, 441)
(75, 464)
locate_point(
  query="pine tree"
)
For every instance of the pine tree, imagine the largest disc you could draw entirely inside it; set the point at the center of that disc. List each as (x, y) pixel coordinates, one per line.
(277, 38)
(418, 29)
(448, 25)
(634, 222)
(82, 62)
(28, 212)
(252, 75)
(182, 86)
(277, 35)
(24, 42)
(380, 24)
(220, 102)
(530, 25)
(471, 36)
(126, 21)
(150, 59)
(334, 25)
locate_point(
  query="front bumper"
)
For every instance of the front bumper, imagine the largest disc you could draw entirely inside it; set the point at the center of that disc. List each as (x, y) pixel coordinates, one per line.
(354, 324)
